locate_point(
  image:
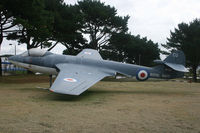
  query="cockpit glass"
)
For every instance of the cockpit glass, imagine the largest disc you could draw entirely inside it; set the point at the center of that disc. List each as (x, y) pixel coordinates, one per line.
(36, 53)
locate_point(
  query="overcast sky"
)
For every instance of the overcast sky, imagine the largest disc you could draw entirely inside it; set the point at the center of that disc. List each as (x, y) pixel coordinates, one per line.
(151, 18)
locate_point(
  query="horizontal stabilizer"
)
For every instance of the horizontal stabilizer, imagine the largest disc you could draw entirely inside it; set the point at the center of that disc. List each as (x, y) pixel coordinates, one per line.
(176, 67)
(176, 61)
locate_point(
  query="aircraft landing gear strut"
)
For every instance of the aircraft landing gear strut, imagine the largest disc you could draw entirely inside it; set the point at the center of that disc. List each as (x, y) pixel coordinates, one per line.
(50, 80)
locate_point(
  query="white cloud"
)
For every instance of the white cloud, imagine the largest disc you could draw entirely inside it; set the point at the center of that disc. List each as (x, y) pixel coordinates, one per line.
(155, 18)
(10, 49)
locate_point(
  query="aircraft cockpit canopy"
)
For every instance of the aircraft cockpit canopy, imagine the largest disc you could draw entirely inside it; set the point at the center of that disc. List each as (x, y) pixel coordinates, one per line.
(35, 52)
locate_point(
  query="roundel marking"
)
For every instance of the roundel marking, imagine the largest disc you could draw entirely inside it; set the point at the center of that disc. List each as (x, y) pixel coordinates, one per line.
(142, 75)
(70, 80)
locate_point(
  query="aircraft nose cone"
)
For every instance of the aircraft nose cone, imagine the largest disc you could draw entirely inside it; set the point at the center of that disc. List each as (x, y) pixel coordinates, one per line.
(11, 58)
(14, 58)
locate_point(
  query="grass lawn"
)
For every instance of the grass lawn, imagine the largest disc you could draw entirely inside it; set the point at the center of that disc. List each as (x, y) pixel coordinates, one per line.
(108, 106)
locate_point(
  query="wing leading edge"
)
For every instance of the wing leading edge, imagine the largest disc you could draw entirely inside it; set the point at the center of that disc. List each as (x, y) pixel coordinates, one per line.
(75, 79)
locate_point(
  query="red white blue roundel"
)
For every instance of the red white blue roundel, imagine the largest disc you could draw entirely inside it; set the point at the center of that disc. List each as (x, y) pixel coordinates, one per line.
(70, 80)
(142, 75)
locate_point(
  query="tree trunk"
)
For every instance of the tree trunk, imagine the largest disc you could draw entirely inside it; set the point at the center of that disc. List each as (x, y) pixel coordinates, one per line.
(1, 40)
(29, 46)
(0, 68)
(194, 73)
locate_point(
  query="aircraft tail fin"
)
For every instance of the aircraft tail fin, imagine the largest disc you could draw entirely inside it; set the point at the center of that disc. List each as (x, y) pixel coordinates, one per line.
(176, 61)
(176, 57)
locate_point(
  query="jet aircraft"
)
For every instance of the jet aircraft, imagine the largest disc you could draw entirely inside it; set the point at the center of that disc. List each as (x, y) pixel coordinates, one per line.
(75, 74)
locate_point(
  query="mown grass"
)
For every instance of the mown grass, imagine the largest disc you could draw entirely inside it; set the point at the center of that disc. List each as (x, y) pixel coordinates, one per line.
(108, 106)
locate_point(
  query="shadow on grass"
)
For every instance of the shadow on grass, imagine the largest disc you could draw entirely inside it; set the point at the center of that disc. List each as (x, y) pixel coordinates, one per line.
(93, 95)
(131, 92)
(97, 95)
(63, 97)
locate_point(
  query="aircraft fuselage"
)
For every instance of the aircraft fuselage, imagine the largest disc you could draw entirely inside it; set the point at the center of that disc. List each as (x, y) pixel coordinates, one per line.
(47, 65)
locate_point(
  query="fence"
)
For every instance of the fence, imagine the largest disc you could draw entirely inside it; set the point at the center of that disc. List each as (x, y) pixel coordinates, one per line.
(9, 69)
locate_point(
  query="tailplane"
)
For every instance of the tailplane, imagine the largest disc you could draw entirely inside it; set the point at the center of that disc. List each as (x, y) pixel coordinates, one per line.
(176, 61)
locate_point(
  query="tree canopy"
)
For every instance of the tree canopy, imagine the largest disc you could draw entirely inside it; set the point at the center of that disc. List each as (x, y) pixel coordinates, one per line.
(34, 23)
(100, 21)
(68, 23)
(131, 49)
(187, 38)
(87, 24)
(6, 23)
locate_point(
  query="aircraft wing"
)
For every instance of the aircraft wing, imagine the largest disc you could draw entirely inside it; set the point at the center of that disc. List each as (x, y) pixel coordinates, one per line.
(75, 79)
(90, 53)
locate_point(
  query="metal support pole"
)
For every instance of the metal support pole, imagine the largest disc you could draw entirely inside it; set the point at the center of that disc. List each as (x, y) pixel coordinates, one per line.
(15, 49)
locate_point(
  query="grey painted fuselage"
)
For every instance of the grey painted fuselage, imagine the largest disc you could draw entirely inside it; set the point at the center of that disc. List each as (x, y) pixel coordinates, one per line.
(75, 74)
(49, 61)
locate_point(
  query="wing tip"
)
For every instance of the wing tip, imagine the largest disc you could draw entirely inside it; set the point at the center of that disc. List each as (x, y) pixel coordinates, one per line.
(51, 90)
